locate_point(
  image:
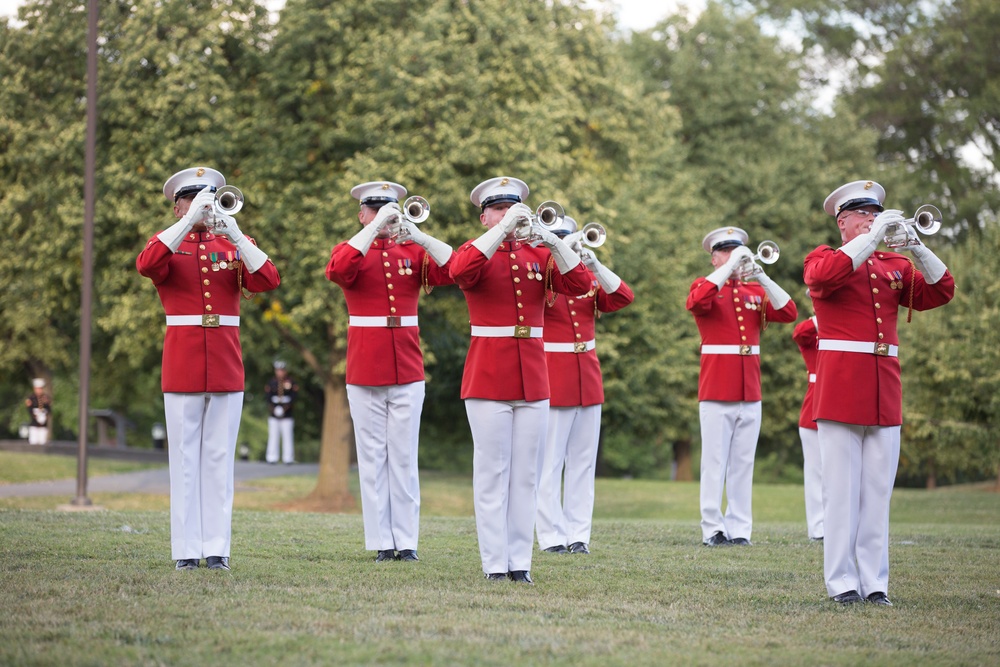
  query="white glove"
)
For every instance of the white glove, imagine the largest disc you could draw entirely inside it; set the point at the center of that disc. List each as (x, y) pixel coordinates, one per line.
(201, 207)
(491, 240)
(778, 296)
(862, 246)
(439, 251)
(252, 256)
(515, 213)
(362, 241)
(605, 276)
(724, 272)
(928, 263)
(566, 259)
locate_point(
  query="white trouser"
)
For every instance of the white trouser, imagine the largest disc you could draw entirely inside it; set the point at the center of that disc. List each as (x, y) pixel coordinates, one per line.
(729, 433)
(282, 430)
(812, 473)
(508, 438)
(201, 432)
(570, 445)
(387, 433)
(38, 435)
(859, 469)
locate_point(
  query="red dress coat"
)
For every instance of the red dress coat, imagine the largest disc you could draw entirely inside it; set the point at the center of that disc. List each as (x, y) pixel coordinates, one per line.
(732, 316)
(201, 359)
(499, 293)
(575, 378)
(863, 305)
(805, 337)
(373, 287)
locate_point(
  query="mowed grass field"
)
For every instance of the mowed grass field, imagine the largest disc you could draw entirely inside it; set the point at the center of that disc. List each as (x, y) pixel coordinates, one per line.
(98, 588)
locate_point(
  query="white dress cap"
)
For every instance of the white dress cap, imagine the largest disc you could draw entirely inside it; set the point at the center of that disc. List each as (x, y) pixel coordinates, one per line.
(38, 382)
(498, 190)
(376, 193)
(854, 195)
(191, 181)
(724, 237)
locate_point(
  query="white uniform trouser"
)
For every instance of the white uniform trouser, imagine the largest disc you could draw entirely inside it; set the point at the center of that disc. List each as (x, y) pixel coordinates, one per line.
(283, 431)
(729, 433)
(570, 446)
(387, 434)
(859, 469)
(812, 472)
(201, 431)
(508, 438)
(38, 435)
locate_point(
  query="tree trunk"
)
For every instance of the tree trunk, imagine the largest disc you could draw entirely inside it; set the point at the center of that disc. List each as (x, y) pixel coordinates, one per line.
(332, 493)
(682, 461)
(931, 476)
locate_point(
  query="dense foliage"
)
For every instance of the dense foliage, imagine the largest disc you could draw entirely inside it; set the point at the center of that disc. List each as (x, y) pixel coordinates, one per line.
(660, 136)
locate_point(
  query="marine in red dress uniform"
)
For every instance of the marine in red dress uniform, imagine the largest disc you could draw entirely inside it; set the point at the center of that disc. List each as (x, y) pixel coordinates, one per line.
(805, 337)
(382, 271)
(569, 461)
(199, 275)
(505, 384)
(730, 314)
(857, 292)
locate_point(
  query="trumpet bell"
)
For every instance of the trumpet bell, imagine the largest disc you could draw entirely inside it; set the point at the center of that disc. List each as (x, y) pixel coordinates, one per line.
(549, 214)
(768, 252)
(593, 235)
(416, 209)
(228, 200)
(927, 219)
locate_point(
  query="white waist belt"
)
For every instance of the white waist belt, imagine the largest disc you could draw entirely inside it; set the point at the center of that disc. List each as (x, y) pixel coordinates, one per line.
(518, 331)
(206, 320)
(390, 321)
(878, 349)
(812, 377)
(576, 348)
(742, 350)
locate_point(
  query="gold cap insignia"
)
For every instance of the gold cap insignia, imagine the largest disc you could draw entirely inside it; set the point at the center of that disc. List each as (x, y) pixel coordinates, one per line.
(868, 185)
(385, 186)
(504, 181)
(200, 172)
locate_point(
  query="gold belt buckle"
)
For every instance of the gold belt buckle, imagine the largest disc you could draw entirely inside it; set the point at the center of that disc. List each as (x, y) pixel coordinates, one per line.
(522, 331)
(210, 320)
(579, 348)
(744, 350)
(393, 321)
(882, 349)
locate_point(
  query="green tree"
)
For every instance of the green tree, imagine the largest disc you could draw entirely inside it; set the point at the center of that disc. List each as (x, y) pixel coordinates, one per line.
(757, 157)
(176, 87)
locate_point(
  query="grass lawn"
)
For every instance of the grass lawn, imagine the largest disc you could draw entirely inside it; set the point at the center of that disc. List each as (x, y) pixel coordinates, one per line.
(98, 588)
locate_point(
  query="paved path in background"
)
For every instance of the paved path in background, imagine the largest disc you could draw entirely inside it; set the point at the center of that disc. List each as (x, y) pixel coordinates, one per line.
(154, 480)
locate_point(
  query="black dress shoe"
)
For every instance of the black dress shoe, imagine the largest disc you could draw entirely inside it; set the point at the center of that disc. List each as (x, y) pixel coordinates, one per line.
(850, 597)
(579, 548)
(496, 576)
(741, 542)
(879, 598)
(521, 576)
(717, 540)
(217, 562)
(384, 555)
(558, 549)
(408, 554)
(187, 564)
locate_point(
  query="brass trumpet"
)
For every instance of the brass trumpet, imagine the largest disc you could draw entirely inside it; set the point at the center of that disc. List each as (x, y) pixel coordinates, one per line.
(926, 220)
(228, 200)
(415, 209)
(767, 253)
(593, 235)
(549, 215)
